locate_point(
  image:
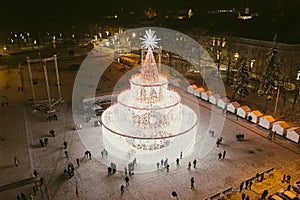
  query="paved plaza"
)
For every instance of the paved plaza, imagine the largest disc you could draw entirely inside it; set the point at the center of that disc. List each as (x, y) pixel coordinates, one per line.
(22, 128)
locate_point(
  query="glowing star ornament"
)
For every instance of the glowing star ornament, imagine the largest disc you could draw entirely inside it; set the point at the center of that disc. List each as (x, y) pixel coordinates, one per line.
(149, 40)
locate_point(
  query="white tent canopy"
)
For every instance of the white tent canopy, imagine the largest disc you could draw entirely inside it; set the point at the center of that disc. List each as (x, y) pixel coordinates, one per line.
(293, 134)
(191, 89)
(197, 92)
(213, 99)
(253, 116)
(266, 121)
(205, 95)
(243, 111)
(280, 127)
(231, 107)
(222, 103)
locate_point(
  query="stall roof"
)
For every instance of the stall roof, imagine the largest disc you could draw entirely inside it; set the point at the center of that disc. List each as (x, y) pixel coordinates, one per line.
(245, 108)
(194, 86)
(269, 118)
(296, 129)
(201, 89)
(257, 113)
(217, 96)
(235, 104)
(226, 100)
(283, 124)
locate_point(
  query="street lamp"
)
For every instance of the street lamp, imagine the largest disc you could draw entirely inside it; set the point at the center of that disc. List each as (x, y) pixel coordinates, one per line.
(252, 64)
(219, 44)
(277, 98)
(236, 56)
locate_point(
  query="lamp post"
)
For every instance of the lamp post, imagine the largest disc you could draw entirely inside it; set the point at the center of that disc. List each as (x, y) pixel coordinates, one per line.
(218, 43)
(277, 98)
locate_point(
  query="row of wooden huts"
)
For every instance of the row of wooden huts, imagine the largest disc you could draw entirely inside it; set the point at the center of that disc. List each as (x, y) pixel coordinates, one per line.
(254, 116)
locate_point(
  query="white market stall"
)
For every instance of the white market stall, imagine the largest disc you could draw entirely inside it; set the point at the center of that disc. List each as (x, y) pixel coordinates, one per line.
(213, 99)
(222, 103)
(205, 95)
(231, 107)
(280, 127)
(266, 121)
(253, 116)
(293, 134)
(243, 111)
(197, 92)
(191, 89)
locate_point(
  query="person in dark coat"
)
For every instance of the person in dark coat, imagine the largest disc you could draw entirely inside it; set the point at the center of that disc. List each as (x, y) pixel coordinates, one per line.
(127, 180)
(220, 155)
(122, 189)
(195, 163)
(192, 183)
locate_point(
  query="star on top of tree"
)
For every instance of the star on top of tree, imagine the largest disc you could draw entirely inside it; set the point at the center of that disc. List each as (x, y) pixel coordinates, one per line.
(149, 40)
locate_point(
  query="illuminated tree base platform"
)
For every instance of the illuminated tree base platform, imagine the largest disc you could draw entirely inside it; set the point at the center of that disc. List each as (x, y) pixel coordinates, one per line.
(149, 150)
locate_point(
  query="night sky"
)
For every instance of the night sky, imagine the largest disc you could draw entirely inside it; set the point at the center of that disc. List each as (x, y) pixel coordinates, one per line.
(38, 14)
(47, 9)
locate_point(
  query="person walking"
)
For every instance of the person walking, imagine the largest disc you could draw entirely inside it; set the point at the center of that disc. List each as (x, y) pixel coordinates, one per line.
(52, 132)
(122, 189)
(224, 153)
(174, 194)
(288, 179)
(127, 180)
(220, 155)
(35, 173)
(241, 186)
(34, 190)
(16, 161)
(162, 163)
(195, 163)
(66, 153)
(168, 166)
(243, 196)
(65, 144)
(250, 184)
(192, 183)
(37, 185)
(41, 181)
(23, 196)
(46, 141)
(177, 161)
(283, 179)
(264, 194)
(181, 155)
(246, 184)
(42, 143)
(189, 166)
(166, 162)
(78, 162)
(157, 164)
(109, 171)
